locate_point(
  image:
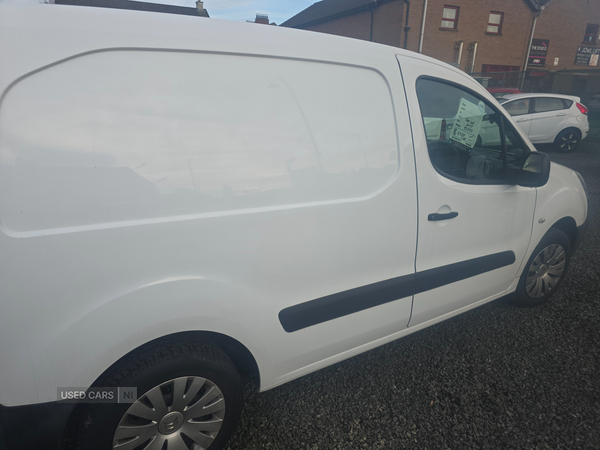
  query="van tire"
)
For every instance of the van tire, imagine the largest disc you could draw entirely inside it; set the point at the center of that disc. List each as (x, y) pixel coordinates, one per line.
(551, 259)
(154, 372)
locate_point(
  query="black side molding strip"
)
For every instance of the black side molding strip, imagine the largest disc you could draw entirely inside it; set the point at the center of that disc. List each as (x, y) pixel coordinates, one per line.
(341, 304)
(441, 276)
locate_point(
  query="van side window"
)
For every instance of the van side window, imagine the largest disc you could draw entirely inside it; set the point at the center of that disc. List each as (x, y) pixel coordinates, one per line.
(468, 141)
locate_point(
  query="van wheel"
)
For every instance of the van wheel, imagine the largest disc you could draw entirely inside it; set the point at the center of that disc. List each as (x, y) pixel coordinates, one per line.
(189, 397)
(545, 270)
(567, 141)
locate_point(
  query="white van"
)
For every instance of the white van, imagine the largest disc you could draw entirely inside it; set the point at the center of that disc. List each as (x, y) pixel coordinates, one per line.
(185, 201)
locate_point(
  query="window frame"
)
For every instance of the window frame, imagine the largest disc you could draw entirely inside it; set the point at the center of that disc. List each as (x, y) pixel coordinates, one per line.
(503, 124)
(530, 107)
(533, 107)
(455, 20)
(499, 25)
(593, 35)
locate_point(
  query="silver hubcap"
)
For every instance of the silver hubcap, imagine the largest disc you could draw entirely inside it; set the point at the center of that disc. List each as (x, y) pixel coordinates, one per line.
(182, 414)
(568, 142)
(545, 271)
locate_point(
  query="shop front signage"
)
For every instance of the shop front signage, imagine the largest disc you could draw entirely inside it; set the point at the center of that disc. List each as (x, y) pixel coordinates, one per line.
(538, 52)
(587, 56)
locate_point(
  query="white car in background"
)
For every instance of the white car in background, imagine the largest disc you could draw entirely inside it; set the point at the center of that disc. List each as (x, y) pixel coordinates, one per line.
(549, 118)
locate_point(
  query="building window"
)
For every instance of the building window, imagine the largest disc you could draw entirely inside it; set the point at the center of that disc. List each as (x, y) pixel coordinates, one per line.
(495, 22)
(591, 34)
(450, 18)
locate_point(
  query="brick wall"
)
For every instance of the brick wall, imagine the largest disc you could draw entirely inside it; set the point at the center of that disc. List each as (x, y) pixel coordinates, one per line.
(564, 22)
(388, 24)
(355, 26)
(389, 21)
(508, 49)
(414, 22)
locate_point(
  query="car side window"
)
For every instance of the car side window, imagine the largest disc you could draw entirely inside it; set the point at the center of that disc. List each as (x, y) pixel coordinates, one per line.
(468, 141)
(517, 107)
(544, 104)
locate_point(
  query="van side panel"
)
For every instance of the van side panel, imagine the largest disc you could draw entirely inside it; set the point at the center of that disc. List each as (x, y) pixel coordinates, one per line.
(128, 137)
(198, 183)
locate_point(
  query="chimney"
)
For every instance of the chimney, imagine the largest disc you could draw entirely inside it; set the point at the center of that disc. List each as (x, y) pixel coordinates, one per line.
(200, 6)
(262, 18)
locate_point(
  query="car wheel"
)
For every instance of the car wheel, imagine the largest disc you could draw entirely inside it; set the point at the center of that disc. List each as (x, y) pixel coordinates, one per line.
(567, 141)
(189, 397)
(545, 269)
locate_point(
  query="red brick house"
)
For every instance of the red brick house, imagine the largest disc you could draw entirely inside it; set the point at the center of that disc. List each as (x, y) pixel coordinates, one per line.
(475, 35)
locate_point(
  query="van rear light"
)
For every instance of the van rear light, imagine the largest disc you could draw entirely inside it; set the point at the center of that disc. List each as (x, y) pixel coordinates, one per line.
(443, 130)
(582, 108)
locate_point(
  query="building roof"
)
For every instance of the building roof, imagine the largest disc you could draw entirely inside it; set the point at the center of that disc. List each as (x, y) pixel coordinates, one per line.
(327, 9)
(330, 9)
(136, 6)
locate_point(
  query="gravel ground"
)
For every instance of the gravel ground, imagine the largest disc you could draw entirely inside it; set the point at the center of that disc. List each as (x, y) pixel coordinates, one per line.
(497, 377)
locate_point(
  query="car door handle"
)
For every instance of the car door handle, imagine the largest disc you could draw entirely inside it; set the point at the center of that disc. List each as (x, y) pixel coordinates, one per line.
(560, 115)
(522, 120)
(437, 216)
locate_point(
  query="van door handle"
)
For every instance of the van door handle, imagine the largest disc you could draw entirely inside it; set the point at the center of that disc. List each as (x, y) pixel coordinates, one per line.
(437, 216)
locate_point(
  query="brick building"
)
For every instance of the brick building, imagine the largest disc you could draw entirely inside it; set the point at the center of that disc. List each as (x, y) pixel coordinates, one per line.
(474, 35)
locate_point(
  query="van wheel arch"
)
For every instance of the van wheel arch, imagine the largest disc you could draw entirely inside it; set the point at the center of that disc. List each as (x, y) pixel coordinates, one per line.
(545, 269)
(242, 358)
(240, 355)
(568, 226)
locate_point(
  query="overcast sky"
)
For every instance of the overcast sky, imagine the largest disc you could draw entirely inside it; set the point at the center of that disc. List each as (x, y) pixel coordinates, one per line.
(278, 10)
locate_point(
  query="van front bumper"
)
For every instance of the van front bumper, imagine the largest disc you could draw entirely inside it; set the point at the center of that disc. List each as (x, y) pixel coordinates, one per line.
(33, 427)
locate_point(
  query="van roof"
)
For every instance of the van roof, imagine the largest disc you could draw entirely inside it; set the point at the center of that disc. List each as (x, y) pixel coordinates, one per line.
(36, 35)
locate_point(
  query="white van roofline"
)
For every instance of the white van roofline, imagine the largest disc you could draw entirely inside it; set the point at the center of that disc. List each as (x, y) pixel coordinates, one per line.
(46, 24)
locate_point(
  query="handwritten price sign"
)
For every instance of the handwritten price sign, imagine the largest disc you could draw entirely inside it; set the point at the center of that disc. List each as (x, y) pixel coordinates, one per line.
(468, 122)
